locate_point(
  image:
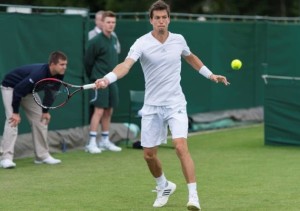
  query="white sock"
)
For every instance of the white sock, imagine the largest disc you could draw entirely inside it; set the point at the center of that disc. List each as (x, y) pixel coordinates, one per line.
(161, 181)
(93, 135)
(105, 136)
(192, 189)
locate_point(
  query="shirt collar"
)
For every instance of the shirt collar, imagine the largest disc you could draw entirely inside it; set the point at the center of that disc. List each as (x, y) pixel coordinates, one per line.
(97, 30)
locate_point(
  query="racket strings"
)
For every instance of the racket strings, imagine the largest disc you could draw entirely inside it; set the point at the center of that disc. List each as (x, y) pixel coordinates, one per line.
(50, 94)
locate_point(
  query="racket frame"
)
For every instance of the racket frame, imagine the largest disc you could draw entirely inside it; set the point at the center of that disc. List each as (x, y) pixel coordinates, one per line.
(66, 85)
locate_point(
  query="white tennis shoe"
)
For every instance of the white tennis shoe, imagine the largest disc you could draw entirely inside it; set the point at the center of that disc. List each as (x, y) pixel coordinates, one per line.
(49, 160)
(7, 164)
(163, 194)
(109, 146)
(93, 149)
(193, 203)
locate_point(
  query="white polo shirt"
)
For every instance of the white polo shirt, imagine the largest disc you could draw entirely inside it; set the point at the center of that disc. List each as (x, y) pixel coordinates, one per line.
(161, 64)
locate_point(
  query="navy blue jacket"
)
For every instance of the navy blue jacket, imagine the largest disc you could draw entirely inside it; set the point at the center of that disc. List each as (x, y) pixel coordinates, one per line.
(22, 80)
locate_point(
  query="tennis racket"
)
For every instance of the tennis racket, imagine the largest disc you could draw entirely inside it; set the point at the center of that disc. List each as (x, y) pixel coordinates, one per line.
(51, 93)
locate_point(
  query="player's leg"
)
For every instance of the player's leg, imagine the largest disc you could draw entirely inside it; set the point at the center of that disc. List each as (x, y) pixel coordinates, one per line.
(164, 187)
(39, 131)
(178, 123)
(154, 165)
(188, 169)
(154, 132)
(185, 158)
(10, 133)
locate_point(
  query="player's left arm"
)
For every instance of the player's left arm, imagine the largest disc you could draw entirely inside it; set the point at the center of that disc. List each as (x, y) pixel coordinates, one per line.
(194, 61)
(198, 65)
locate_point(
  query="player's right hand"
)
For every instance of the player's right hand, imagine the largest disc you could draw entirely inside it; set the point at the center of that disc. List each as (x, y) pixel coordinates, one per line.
(101, 83)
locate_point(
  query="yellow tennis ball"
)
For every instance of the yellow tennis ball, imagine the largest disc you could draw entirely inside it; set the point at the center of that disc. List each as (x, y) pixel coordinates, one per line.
(236, 64)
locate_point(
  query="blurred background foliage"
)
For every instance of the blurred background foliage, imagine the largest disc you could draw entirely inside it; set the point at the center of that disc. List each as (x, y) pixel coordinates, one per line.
(276, 8)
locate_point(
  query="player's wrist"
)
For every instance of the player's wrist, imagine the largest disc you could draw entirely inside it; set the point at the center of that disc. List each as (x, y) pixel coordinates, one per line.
(205, 72)
(111, 77)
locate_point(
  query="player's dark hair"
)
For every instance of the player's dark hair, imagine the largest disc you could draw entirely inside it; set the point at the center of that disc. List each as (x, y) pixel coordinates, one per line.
(159, 5)
(55, 56)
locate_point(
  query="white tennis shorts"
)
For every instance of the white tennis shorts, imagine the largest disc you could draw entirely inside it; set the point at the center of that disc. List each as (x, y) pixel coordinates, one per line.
(155, 122)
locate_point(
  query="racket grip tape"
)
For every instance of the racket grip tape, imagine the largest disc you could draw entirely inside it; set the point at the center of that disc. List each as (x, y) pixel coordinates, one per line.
(89, 86)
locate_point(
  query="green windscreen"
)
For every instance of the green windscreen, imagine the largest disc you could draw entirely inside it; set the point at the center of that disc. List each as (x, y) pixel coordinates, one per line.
(282, 90)
(263, 47)
(27, 39)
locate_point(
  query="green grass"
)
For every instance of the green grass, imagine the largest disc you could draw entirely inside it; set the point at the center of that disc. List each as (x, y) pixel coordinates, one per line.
(235, 171)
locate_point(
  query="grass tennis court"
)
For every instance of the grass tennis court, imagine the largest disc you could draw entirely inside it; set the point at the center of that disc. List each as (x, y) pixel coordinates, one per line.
(235, 172)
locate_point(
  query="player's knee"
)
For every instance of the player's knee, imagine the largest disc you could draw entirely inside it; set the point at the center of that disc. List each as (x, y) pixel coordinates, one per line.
(181, 148)
(149, 156)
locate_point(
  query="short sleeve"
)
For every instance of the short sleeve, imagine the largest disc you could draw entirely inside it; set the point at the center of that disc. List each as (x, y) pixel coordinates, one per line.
(135, 51)
(185, 48)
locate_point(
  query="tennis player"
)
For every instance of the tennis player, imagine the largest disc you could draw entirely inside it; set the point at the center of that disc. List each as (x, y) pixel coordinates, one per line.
(16, 91)
(160, 52)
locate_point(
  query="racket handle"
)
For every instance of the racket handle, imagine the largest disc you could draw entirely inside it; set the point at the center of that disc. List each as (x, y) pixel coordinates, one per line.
(89, 86)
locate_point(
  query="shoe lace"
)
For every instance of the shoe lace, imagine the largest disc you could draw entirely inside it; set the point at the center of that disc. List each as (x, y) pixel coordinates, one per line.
(194, 197)
(155, 190)
(158, 191)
